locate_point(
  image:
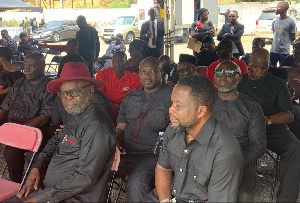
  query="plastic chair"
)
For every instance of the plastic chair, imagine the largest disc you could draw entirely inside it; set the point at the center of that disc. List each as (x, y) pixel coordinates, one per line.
(22, 137)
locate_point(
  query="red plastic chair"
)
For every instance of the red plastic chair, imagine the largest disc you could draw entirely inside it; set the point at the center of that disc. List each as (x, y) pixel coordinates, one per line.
(22, 137)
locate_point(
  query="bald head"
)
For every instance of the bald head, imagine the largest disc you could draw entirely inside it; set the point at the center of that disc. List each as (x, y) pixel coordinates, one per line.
(38, 59)
(228, 65)
(150, 74)
(284, 5)
(81, 21)
(259, 64)
(262, 55)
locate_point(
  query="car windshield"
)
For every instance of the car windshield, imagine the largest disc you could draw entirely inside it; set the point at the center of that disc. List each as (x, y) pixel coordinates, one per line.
(267, 15)
(123, 21)
(53, 24)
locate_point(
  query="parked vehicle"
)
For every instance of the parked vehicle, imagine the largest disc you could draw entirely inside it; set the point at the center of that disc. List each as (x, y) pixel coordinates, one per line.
(126, 25)
(57, 30)
(265, 20)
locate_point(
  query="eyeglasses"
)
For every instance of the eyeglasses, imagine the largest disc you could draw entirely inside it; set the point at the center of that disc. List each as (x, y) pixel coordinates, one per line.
(228, 73)
(184, 69)
(73, 92)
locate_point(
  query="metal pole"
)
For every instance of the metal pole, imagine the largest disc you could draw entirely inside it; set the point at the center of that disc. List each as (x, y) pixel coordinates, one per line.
(61, 4)
(166, 26)
(172, 19)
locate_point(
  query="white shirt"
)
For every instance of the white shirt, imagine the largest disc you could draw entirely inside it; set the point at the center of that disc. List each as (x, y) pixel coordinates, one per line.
(151, 37)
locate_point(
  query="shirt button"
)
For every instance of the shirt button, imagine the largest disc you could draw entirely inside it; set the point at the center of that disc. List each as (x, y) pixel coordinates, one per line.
(186, 151)
(174, 191)
(180, 169)
(195, 177)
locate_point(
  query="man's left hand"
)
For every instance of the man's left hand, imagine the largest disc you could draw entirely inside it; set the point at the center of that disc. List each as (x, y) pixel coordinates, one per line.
(30, 200)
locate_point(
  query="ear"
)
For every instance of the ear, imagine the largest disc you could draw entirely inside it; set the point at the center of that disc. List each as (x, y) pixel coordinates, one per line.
(201, 111)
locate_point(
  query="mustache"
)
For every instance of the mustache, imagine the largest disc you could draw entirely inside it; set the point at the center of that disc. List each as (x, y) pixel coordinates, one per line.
(173, 116)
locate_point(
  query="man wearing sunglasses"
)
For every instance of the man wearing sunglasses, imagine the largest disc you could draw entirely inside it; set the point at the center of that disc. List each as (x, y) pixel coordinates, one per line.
(272, 94)
(244, 118)
(78, 159)
(224, 52)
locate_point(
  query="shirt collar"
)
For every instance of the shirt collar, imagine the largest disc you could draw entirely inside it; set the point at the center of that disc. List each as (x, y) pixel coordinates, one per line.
(208, 129)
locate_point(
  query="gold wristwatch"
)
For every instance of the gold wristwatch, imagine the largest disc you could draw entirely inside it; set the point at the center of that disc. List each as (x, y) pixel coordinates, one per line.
(269, 122)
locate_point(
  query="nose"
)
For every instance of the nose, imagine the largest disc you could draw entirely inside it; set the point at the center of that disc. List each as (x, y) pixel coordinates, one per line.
(171, 109)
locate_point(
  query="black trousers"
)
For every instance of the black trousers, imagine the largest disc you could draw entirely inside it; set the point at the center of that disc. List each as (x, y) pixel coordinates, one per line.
(285, 144)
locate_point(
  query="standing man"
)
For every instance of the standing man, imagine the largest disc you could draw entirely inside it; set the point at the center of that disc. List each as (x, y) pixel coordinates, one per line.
(89, 45)
(284, 29)
(1, 22)
(233, 31)
(244, 118)
(143, 116)
(152, 32)
(78, 159)
(272, 94)
(224, 53)
(200, 160)
(28, 103)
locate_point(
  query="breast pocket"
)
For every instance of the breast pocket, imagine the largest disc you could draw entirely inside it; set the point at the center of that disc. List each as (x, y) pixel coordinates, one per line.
(198, 176)
(156, 120)
(70, 145)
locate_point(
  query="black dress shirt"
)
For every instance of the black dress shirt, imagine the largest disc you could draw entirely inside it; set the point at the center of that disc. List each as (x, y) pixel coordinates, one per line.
(79, 159)
(208, 168)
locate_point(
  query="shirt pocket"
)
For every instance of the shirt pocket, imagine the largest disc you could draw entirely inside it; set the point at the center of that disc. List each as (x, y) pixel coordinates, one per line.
(197, 176)
(174, 156)
(156, 119)
(70, 145)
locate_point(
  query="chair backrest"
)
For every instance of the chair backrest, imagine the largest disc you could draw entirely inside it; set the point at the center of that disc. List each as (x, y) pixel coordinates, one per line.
(116, 162)
(21, 136)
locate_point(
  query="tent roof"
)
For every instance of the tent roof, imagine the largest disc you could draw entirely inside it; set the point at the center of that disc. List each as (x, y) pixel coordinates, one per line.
(16, 4)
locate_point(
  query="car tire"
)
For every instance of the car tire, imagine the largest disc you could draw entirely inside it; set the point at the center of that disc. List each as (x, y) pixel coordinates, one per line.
(129, 38)
(56, 37)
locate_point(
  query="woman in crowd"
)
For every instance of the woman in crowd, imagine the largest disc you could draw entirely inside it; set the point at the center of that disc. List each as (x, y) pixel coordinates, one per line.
(115, 46)
(9, 73)
(137, 50)
(202, 28)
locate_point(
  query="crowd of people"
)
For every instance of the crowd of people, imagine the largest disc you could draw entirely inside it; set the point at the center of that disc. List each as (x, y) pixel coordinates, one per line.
(214, 127)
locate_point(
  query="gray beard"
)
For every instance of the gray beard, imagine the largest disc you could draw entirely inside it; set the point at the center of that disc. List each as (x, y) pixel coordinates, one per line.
(227, 89)
(80, 108)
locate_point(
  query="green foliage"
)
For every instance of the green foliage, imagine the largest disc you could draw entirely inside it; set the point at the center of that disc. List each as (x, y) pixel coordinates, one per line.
(12, 23)
(119, 4)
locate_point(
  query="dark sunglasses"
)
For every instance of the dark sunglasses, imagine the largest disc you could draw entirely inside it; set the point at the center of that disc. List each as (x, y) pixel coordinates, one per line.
(228, 73)
(73, 92)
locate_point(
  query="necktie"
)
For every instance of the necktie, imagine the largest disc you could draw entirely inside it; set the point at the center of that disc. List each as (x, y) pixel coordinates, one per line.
(153, 31)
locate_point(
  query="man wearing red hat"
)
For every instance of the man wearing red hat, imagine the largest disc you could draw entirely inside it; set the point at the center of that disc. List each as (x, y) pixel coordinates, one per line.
(78, 159)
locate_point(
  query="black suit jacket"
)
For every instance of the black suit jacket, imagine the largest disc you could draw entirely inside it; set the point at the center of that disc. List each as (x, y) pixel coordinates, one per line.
(160, 33)
(238, 32)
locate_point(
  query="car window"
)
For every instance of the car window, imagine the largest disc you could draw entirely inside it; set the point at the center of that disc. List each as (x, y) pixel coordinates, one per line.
(267, 15)
(53, 24)
(123, 21)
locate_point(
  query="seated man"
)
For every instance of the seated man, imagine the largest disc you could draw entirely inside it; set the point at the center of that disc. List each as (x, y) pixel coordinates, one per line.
(12, 45)
(245, 119)
(208, 54)
(27, 45)
(256, 43)
(186, 65)
(78, 159)
(224, 52)
(200, 160)
(294, 59)
(143, 115)
(273, 96)
(169, 70)
(60, 116)
(71, 49)
(28, 103)
(118, 81)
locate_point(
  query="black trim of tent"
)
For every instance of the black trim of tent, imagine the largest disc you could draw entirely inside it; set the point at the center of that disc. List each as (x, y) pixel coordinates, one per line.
(16, 4)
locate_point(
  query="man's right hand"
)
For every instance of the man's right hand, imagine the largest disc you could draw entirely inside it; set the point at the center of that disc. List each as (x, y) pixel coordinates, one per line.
(32, 181)
(122, 150)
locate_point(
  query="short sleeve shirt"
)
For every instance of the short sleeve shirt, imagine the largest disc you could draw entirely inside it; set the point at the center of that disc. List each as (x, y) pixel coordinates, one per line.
(208, 168)
(116, 88)
(146, 114)
(271, 93)
(26, 101)
(282, 29)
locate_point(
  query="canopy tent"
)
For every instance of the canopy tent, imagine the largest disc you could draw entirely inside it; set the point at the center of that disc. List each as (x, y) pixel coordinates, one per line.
(16, 4)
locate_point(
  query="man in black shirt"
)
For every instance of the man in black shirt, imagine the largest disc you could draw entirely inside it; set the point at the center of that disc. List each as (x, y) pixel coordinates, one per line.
(78, 159)
(294, 59)
(244, 118)
(200, 160)
(28, 103)
(12, 45)
(89, 45)
(169, 70)
(27, 45)
(273, 96)
(208, 55)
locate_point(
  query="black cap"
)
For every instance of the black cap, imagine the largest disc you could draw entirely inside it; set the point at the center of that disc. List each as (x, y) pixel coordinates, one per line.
(187, 58)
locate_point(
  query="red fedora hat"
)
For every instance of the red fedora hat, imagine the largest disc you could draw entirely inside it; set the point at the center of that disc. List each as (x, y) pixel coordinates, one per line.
(73, 71)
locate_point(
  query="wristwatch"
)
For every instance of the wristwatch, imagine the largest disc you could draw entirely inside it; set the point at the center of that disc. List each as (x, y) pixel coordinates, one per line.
(269, 122)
